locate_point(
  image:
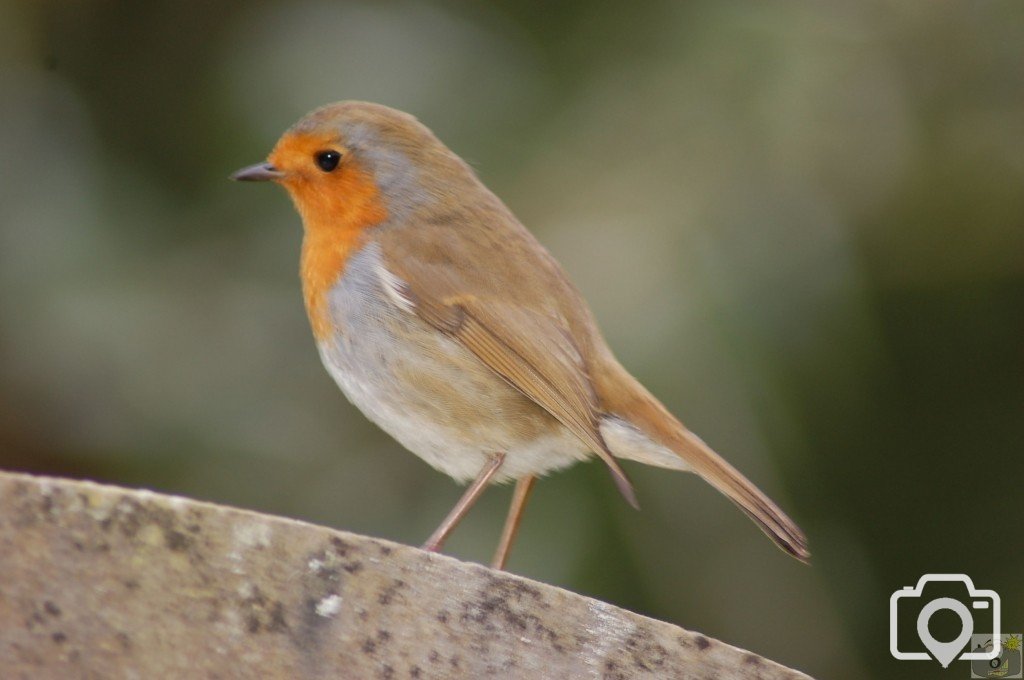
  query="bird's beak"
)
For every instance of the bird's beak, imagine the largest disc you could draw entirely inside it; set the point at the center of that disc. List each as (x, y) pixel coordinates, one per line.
(261, 172)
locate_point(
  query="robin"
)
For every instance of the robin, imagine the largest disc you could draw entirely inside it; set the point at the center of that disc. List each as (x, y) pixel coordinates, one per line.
(452, 328)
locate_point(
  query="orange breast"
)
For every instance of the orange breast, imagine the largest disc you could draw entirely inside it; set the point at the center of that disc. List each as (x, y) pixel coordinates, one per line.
(336, 208)
(335, 224)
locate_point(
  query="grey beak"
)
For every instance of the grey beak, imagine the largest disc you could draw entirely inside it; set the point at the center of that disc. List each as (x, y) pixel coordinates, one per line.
(261, 172)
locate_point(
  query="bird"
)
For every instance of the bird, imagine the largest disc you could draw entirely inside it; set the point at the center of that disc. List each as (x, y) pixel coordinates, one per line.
(449, 325)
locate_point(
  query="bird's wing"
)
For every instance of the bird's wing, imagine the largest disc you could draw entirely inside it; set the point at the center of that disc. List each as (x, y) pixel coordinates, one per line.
(529, 346)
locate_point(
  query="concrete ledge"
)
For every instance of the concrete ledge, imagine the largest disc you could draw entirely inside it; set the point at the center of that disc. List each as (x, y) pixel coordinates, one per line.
(99, 581)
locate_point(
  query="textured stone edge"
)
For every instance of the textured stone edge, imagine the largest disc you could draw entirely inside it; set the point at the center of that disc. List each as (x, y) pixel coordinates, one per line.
(105, 580)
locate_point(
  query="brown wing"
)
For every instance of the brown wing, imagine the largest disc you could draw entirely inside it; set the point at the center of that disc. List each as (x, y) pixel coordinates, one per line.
(531, 346)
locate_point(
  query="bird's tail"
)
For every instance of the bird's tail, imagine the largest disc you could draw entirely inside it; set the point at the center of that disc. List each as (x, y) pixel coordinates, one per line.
(635, 414)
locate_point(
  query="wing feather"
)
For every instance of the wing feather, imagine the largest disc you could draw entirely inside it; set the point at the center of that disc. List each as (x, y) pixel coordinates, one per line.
(531, 350)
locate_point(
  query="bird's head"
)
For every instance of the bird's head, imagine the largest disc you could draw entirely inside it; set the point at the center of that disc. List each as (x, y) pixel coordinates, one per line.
(357, 163)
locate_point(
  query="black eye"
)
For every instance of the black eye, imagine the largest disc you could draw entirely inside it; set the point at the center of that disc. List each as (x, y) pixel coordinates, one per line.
(328, 160)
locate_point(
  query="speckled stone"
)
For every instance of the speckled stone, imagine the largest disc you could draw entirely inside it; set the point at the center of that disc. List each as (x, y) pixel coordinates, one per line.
(103, 582)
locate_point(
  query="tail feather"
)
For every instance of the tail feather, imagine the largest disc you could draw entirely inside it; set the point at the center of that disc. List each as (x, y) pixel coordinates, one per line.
(629, 401)
(737, 488)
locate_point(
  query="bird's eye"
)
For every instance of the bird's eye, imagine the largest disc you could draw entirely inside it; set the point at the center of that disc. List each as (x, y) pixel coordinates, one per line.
(327, 160)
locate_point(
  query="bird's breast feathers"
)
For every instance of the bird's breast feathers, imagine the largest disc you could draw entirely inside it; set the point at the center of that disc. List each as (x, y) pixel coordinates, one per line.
(426, 389)
(335, 229)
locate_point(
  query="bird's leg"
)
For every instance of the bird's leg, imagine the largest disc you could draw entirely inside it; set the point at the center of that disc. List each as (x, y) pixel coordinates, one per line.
(470, 497)
(515, 515)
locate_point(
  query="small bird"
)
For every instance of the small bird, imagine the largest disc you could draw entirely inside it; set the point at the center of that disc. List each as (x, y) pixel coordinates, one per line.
(452, 328)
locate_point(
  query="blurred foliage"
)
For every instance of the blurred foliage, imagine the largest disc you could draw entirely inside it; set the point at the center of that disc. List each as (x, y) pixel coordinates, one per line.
(800, 224)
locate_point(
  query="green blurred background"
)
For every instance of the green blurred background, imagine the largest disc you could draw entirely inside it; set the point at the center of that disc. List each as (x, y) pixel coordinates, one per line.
(800, 224)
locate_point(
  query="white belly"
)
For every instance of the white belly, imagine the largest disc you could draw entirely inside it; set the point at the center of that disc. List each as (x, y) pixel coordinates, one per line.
(429, 392)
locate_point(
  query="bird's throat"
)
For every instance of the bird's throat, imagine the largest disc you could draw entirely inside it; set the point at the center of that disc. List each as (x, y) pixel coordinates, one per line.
(335, 219)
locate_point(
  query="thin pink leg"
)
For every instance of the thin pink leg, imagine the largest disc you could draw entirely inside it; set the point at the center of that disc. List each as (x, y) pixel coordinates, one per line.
(515, 515)
(470, 497)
